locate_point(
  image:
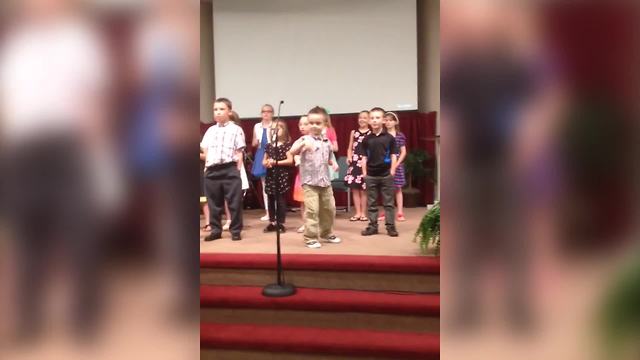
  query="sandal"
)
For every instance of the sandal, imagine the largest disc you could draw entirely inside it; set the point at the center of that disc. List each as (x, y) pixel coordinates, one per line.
(364, 218)
(206, 228)
(354, 218)
(401, 217)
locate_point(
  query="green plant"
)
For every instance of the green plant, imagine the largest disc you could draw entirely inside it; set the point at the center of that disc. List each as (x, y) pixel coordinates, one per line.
(428, 232)
(620, 314)
(414, 166)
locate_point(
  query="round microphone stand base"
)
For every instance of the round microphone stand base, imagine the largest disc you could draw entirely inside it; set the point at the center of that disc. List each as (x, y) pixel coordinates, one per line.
(275, 290)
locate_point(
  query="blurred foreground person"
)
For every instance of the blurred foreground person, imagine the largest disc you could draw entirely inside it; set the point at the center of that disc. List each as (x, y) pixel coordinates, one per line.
(53, 83)
(162, 134)
(486, 86)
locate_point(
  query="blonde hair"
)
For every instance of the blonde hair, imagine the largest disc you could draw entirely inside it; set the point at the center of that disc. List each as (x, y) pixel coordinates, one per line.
(327, 121)
(395, 117)
(234, 117)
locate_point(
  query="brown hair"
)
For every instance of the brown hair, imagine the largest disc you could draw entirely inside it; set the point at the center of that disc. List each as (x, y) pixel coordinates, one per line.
(320, 110)
(285, 131)
(364, 111)
(377, 109)
(224, 101)
(395, 117)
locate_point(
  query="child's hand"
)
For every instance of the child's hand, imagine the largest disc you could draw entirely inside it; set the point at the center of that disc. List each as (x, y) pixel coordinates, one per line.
(393, 172)
(336, 167)
(308, 146)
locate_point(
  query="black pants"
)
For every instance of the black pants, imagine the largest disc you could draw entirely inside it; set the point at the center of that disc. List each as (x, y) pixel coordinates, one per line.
(48, 198)
(384, 185)
(222, 182)
(282, 208)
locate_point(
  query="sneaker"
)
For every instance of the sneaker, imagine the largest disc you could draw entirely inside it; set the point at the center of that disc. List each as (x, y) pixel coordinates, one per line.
(401, 217)
(282, 228)
(313, 244)
(265, 218)
(391, 231)
(213, 236)
(333, 239)
(300, 229)
(226, 225)
(236, 237)
(370, 230)
(270, 228)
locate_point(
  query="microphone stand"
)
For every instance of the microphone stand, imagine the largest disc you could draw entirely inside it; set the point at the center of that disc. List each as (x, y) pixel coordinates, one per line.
(280, 288)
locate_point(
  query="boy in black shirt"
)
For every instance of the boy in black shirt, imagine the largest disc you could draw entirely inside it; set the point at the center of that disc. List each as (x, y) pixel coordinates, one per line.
(378, 168)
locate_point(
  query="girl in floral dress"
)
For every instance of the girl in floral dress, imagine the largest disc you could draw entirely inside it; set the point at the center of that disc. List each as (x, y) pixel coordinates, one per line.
(354, 178)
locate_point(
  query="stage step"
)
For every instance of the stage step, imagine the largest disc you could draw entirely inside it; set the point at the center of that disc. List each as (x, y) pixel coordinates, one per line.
(225, 341)
(322, 308)
(356, 272)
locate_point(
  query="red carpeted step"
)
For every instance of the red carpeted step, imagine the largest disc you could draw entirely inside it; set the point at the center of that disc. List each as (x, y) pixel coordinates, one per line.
(396, 345)
(322, 300)
(355, 263)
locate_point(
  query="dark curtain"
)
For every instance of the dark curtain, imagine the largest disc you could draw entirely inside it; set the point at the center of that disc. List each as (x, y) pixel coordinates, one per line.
(419, 128)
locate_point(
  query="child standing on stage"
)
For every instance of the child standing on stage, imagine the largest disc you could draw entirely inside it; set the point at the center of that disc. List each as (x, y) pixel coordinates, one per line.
(223, 143)
(392, 124)
(277, 179)
(379, 167)
(261, 137)
(354, 178)
(315, 159)
(243, 176)
(298, 194)
(330, 133)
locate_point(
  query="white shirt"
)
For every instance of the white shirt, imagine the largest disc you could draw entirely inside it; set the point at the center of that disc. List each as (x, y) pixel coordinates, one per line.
(48, 74)
(222, 142)
(257, 132)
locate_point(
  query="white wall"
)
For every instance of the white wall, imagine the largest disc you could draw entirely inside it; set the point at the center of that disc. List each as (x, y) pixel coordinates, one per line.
(428, 55)
(345, 55)
(206, 63)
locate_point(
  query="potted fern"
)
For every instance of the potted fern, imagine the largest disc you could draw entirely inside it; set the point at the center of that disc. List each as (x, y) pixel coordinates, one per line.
(620, 315)
(414, 167)
(428, 233)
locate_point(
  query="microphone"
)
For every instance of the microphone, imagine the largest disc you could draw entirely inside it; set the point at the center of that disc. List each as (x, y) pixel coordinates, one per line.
(280, 288)
(274, 132)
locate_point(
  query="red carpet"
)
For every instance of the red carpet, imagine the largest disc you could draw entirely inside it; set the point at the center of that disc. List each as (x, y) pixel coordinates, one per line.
(322, 300)
(355, 263)
(395, 345)
(382, 324)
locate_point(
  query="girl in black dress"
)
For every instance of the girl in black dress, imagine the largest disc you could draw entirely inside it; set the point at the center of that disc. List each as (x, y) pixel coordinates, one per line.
(277, 182)
(354, 178)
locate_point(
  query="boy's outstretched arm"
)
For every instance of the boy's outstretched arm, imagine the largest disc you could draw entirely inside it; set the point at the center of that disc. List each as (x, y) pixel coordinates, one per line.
(297, 147)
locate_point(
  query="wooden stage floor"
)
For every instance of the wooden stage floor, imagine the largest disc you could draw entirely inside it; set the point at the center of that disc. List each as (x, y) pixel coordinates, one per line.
(255, 241)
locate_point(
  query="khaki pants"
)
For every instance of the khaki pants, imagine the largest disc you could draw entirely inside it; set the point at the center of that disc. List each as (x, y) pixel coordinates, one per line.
(320, 211)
